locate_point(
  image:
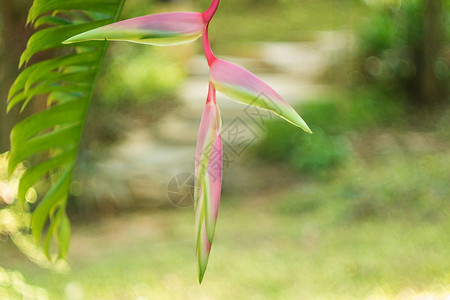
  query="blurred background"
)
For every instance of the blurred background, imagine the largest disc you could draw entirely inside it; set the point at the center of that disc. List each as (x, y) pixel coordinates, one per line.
(358, 210)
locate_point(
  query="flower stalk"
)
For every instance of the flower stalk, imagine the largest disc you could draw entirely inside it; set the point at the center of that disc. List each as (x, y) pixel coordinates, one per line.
(210, 57)
(211, 11)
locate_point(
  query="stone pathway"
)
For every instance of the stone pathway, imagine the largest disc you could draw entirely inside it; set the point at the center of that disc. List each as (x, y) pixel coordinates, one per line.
(141, 166)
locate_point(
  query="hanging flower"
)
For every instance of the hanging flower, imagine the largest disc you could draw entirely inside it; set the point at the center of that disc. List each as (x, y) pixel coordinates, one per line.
(225, 77)
(208, 179)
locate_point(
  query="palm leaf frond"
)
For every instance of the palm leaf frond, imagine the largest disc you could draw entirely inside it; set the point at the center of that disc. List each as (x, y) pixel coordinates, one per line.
(49, 140)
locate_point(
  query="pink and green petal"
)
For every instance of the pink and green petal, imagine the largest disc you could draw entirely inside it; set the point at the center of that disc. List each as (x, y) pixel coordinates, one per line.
(203, 250)
(208, 179)
(213, 182)
(160, 29)
(243, 86)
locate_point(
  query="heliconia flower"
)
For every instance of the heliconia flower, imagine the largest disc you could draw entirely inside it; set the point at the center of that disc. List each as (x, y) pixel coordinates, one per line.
(160, 29)
(225, 77)
(208, 180)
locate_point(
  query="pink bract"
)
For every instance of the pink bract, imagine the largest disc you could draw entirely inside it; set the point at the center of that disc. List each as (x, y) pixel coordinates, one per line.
(160, 29)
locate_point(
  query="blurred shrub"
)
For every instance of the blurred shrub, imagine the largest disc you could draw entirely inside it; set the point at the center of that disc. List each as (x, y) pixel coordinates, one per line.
(371, 108)
(407, 187)
(404, 48)
(315, 153)
(138, 86)
(138, 74)
(332, 121)
(319, 152)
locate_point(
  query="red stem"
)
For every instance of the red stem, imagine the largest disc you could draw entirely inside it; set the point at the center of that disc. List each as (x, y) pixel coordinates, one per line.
(210, 57)
(211, 94)
(209, 13)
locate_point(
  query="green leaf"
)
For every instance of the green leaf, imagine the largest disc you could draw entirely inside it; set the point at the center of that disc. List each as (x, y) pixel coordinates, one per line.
(48, 237)
(46, 87)
(44, 6)
(52, 37)
(36, 73)
(64, 234)
(63, 137)
(33, 174)
(51, 20)
(64, 113)
(79, 59)
(57, 194)
(59, 228)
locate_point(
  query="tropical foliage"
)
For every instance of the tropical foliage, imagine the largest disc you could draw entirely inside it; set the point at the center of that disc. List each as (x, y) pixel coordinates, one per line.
(49, 140)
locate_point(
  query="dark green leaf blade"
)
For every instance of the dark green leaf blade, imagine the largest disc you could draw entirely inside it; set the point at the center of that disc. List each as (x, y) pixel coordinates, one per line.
(50, 139)
(52, 37)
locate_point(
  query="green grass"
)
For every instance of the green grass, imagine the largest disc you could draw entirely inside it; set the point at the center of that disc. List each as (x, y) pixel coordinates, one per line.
(256, 256)
(310, 241)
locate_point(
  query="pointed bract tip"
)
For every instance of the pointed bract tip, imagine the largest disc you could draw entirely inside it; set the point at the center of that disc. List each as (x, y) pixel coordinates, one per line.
(200, 277)
(303, 126)
(202, 264)
(70, 40)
